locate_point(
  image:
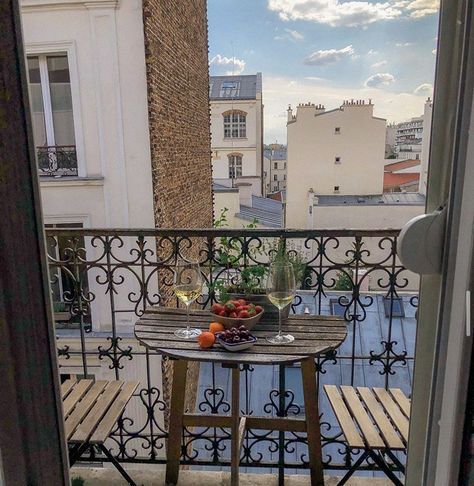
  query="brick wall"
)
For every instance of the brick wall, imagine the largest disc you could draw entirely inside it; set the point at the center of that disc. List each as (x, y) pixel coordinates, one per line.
(176, 51)
(178, 102)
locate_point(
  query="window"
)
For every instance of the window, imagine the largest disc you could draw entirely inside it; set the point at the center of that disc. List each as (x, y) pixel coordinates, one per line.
(62, 284)
(275, 165)
(235, 125)
(338, 306)
(275, 177)
(229, 89)
(397, 307)
(336, 188)
(235, 166)
(284, 177)
(337, 160)
(52, 115)
(284, 165)
(337, 130)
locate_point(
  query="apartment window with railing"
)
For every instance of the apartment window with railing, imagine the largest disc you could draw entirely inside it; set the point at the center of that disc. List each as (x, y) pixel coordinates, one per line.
(235, 166)
(52, 114)
(235, 125)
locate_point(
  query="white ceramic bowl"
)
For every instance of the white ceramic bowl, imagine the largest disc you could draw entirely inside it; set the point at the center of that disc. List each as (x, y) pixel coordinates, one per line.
(233, 347)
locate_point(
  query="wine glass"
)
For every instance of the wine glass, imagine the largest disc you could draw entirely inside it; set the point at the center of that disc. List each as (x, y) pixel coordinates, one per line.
(187, 287)
(281, 289)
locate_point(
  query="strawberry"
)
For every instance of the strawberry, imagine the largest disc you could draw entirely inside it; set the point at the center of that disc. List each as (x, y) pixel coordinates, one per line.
(258, 309)
(244, 314)
(251, 312)
(233, 315)
(216, 308)
(230, 306)
(242, 302)
(223, 313)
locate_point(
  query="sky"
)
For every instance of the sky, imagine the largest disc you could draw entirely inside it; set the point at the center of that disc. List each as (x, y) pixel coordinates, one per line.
(327, 51)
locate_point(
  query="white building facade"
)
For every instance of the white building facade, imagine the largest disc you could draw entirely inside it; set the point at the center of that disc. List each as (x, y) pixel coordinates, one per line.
(275, 166)
(408, 139)
(332, 152)
(237, 130)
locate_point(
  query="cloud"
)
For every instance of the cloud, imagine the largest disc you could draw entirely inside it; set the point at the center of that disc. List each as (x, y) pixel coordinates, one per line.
(314, 78)
(434, 51)
(404, 44)
(379, 79)
(230, 65)
(354, 13)
(425, 89)
(279, 91)
(321, 57)
(379, 64)
(294, 34)
(372, 52)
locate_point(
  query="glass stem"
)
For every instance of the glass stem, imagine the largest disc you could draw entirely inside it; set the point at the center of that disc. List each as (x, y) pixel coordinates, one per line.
(187, 316)
(279, 321)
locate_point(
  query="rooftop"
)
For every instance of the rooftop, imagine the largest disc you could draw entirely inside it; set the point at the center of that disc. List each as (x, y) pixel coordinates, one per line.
(391, 180)
(275, 154)
(393, 199)
(235, 87)
(401, 164)
(269, 212)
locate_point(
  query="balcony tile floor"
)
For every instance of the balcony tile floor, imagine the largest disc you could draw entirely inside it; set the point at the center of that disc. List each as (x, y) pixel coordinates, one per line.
(149, 476)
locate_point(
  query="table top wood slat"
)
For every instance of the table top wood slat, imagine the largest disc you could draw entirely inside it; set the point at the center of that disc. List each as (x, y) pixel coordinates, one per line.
(393, 411)
(88, 425)
(83, 408)
(314, 335)
(363, 420)
(350, 431)
(113, 413)
(389, 434)
(75, 395)
(402, 400)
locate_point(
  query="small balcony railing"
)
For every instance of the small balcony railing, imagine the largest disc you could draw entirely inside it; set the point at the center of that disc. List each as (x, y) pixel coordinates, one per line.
(57, 160)
(107, 278)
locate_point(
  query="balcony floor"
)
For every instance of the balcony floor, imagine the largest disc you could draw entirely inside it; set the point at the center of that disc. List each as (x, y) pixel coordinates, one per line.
(146, 475)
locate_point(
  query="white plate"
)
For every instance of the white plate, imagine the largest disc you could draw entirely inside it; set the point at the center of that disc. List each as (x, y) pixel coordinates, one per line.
(233, 347)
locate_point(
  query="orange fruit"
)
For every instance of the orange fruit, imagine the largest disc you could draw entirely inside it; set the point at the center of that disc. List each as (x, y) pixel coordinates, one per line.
(206, 339)
(216, 327)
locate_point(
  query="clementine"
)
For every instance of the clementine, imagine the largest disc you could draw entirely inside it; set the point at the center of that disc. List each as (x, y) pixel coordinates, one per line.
(216, 327)
(206, 339)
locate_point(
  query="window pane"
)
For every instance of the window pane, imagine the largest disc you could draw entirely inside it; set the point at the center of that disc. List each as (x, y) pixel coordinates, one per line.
(61, 100)
(36, 102)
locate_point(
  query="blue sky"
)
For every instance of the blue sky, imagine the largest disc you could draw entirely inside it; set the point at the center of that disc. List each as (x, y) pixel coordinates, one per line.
(326, 51)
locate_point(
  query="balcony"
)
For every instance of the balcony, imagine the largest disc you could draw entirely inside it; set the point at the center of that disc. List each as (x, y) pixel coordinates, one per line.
(57, 160)
(105, 279)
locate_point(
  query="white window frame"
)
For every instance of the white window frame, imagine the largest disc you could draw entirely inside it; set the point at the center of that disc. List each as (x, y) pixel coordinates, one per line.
(239, 125)
(235, 165)
(69, 48)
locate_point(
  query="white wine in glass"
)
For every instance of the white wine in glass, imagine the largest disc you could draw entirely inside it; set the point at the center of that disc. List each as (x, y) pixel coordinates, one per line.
(281, 290)
(187, 287)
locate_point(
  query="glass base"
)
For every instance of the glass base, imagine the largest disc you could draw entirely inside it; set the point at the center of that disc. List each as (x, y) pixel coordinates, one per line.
(281, 339)
(187, 333)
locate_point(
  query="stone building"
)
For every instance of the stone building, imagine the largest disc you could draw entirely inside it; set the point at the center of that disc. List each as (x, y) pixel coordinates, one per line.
(237, 130)
(274, 168)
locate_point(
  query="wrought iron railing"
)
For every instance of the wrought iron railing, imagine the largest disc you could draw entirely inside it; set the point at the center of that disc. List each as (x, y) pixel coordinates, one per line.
(57, 160)
(107, 278)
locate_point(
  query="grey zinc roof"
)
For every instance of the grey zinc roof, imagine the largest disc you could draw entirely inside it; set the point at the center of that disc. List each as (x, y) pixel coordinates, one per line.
(275, 154)
(248, 87)
(267, 211)
(388, 199)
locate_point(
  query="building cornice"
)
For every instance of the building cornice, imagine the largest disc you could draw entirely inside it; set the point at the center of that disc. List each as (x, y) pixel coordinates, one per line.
(47, 5)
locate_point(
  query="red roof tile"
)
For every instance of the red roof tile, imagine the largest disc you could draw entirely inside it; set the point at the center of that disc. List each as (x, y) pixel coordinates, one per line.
(401, 164)
(392, 181)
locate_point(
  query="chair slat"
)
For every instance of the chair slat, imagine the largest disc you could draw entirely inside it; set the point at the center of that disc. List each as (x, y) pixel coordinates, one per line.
(365, 423)
(89, 424)
(83, 407)
(113, 413)
(344, 417)
(389, 434)
(402, 400)
(66, 387)
(75, 395)
(393, 411)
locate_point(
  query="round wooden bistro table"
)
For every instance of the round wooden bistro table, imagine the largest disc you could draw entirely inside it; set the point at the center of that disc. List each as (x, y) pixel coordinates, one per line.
(314, 335)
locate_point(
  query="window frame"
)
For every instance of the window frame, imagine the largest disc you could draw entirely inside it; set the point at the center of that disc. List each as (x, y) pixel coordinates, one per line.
(69, 49)
(231, 125)
(235, 165)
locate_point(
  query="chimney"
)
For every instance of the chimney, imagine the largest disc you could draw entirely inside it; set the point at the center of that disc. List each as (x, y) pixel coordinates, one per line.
(245, 193)
(289, 114)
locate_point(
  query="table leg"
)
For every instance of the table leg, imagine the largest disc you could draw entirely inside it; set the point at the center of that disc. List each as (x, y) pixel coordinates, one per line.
(313, 430)
(178, 392)
(235, 435)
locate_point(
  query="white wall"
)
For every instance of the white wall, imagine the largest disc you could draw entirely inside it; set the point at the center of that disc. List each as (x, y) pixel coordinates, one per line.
(249, 147)
(313, 146)
(105, 46)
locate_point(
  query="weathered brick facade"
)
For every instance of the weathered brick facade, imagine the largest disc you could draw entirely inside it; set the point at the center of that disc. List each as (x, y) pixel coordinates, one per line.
(178, 104)
(176, 51)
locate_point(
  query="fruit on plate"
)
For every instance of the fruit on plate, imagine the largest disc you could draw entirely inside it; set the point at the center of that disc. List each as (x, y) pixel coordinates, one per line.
(206, 339)
(216, 327)
(236, 309)
(235, 335)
